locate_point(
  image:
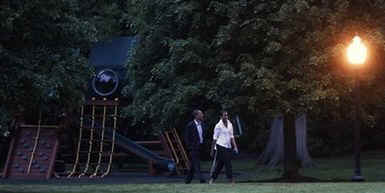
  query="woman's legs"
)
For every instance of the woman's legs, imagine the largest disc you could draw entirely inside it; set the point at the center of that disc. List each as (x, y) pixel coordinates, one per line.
(223, 159)
(227, 163)
(218, 165)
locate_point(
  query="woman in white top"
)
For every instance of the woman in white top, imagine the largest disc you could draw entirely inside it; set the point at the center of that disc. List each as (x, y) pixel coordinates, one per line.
(223, 144)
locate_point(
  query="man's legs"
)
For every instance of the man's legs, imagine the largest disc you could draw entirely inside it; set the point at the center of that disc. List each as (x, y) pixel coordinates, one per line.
(195, 167)
(190, 174)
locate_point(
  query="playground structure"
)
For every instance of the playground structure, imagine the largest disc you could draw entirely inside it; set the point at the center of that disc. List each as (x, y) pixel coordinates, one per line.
(178, 152)
(32, 152)
(34, 149)
(92, 142)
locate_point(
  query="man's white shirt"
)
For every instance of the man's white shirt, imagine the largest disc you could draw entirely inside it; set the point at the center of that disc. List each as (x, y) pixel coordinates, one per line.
(200, 131)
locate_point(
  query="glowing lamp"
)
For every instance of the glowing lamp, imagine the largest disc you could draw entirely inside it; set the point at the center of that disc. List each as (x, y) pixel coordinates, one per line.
(356, 52)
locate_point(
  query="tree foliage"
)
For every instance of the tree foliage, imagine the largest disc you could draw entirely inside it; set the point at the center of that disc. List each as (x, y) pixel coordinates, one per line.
(255, 58)
(44, 47)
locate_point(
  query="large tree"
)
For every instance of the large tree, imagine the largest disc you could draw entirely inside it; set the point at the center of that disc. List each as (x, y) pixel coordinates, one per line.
(253, 57)
(307, 44)
(44, 46)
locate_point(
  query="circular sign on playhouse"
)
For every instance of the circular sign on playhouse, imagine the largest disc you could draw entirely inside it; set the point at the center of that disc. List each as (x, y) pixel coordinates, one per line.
(105, 83)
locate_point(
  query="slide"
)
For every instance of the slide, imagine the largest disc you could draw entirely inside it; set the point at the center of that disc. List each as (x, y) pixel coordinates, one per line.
(130, 146)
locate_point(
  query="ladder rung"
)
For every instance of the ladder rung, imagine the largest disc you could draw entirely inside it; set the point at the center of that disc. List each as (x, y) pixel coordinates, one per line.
(86, 152)
(96, 140)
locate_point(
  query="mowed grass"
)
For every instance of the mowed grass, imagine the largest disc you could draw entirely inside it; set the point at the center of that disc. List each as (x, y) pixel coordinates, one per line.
(338, 170)
(334, 176)
(215, 188)
(326, 170)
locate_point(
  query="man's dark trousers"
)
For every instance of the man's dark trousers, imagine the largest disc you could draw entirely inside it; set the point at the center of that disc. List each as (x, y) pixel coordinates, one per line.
(195, 165)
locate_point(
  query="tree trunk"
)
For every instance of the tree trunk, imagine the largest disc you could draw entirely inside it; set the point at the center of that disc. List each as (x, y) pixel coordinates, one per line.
(273, 155)
(301, 134)
(290, 143)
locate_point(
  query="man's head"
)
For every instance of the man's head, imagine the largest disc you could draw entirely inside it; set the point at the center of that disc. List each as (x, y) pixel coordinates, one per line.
(198, 114)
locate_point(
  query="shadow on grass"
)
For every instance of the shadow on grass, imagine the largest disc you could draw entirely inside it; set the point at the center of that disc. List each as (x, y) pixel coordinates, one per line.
(6, 191)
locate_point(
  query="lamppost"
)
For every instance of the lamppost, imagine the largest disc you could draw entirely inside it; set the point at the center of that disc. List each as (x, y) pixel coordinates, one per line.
(356, 55)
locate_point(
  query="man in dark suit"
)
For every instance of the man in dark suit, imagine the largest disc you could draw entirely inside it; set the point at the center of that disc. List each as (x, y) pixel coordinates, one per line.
(194, 135)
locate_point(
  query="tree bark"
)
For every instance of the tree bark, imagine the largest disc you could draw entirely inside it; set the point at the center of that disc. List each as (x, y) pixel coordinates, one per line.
(290, 143)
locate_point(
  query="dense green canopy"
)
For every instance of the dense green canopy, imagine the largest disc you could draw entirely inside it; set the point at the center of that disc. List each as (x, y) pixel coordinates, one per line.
(254, 58)
(44, 48)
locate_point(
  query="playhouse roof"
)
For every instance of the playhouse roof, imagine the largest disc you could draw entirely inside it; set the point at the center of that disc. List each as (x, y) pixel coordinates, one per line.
(115, 51)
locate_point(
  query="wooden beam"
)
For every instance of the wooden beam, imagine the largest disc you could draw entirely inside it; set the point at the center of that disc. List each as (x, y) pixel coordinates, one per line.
(51, 167)
(151, 168)
(41, 126)
(102, 102)
(8, 162)
(148, 142)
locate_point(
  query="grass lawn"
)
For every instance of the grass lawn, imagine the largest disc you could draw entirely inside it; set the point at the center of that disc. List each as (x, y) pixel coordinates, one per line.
(215, 188)
(335, 174)
(330, 170)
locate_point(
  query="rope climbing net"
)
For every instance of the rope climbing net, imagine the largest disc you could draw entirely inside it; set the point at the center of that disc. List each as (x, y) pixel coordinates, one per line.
(97, 134)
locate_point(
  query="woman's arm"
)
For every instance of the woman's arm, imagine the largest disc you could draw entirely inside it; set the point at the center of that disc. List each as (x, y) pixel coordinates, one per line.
(234, 144)
(212, 148)
(215, 137)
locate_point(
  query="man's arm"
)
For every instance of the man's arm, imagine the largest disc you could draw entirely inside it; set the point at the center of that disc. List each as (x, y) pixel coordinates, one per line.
(187, 137)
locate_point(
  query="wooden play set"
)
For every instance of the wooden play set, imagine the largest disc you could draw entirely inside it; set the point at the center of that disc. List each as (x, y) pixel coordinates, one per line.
(34, 148)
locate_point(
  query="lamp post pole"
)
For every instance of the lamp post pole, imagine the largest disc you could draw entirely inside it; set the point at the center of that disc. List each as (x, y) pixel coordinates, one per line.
(357, 130)
(356, 54)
